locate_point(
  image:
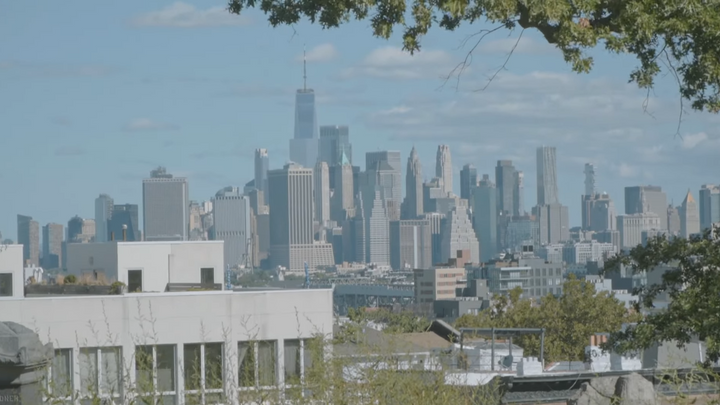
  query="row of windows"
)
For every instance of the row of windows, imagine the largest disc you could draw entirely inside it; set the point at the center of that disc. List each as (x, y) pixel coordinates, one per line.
(155, 369)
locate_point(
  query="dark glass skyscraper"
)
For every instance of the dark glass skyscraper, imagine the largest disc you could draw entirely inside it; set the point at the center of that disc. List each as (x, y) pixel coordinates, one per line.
(334, 141)
(124, 214)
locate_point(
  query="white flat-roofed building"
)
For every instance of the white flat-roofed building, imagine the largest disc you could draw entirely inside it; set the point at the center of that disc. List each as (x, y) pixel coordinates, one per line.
(99, 339)
(12, 274)
(149, 266)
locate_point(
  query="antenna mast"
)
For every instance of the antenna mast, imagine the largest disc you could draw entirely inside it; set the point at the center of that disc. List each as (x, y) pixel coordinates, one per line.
(304, 70)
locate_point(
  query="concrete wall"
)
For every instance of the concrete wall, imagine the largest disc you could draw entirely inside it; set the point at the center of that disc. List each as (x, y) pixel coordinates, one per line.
(11, 261)
(175, 318)
(161, 262)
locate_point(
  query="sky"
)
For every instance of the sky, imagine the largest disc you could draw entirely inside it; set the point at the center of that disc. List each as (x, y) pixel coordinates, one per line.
(93, 95)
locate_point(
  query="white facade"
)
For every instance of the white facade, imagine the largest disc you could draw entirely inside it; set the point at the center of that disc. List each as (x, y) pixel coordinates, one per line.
(159, 263)
(11, 273)
(170, 325)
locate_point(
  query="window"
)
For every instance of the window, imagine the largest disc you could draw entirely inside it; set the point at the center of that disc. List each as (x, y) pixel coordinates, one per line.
(203, 371)
(101, 372)
(6, 287)
(293, 361)
(207, 276)
(257, 363)
(135, 281)
(61, 384)
(155, 372)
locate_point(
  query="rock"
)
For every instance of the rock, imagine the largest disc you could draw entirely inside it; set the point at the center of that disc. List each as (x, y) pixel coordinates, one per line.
(631, 389)
(634, 389)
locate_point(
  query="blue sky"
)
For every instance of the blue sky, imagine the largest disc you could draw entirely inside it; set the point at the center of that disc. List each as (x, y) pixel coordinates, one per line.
(93, 95)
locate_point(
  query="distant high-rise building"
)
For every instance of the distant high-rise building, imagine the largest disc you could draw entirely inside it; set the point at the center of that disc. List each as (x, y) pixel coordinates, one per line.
(598, 212)
(232, 218)
(262, 165)
(589, 179)
(485, 218)
(377, 232)
(632, 226)
(443, 168)
(505, 183)
(432, 191)
(412, 206)
(103, 212)
(468, 180)
(291, 220)
(673, 220)
(709, 206)
(304, 145)
(381, 174)
(689, 217)
(343, 198)
(166, 207)
(334, 141)
(457, 234)
(547, 189)
(394, 166)
(410, 244)
(554, 223)
(321, 190)
(76, 230)
(52, 246)
(125, 218)
(519, 194)
(655, 202)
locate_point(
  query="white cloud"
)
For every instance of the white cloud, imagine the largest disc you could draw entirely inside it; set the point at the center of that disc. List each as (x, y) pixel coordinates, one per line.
(146, 124)
(690, 141)
(184, 15)
(393, 63)
(526, 45)
(321, 53)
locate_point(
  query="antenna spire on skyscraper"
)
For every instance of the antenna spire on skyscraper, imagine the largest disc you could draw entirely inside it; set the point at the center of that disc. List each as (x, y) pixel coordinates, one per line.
(304, 70)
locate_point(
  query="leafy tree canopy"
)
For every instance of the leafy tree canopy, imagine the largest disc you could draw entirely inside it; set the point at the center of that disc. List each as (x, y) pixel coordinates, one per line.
(691, 285)
(569, 319)
(681, 35)
(395, 322)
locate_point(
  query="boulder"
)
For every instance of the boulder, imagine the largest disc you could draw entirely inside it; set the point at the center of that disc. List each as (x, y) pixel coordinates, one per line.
(631, 389)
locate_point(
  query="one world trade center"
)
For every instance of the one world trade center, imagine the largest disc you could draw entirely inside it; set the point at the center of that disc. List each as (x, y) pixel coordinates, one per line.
(304, 145)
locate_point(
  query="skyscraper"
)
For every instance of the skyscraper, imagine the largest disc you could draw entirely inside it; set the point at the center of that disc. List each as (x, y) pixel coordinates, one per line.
(262, 165)
(103, 213)
(28, 232)
(689, 216)
(334, 141)
(518, 194)
(343, 197)
(321, 190)
(443, 168)
(410, 244)
(589, 179)
(165, 207)
(382, 174)
(75, 230)
(655, 201)
(377, 232)
(291, 220)
(709, 205)
(52, 246)
(468, 180)
(485, 217)
(233, 225)
(412, 206)
(547, 190)
(505, 183)
(457, 234)
(394, 166)
(125, 215)
(304, 145)
(554, 223)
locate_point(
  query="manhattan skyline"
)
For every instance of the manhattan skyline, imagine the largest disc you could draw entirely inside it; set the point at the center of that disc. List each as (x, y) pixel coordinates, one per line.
(83, 115)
